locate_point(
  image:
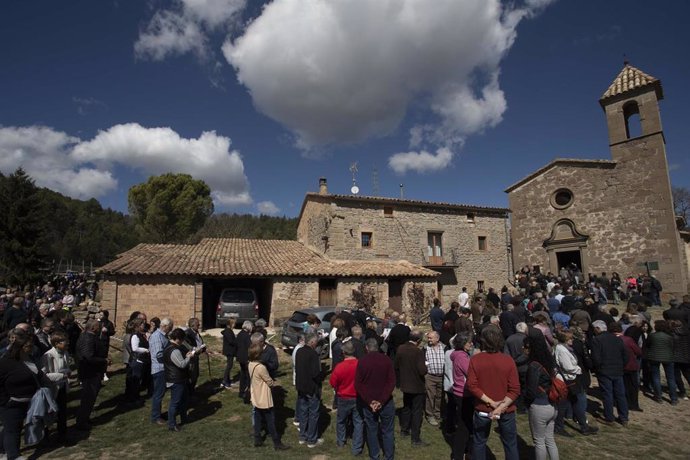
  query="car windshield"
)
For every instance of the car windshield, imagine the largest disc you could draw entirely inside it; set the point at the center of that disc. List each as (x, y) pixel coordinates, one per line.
(238, 296)
(298, 317)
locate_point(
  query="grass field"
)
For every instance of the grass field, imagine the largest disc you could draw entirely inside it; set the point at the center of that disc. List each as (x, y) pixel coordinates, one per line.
(220, 427)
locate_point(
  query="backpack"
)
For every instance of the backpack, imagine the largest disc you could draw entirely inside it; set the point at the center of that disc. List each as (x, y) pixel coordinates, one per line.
(558, 391)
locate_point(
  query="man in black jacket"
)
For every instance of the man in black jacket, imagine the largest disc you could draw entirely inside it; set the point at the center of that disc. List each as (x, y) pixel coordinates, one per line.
(308, 378)
(609, 357)
(92, 361)
(410, 365)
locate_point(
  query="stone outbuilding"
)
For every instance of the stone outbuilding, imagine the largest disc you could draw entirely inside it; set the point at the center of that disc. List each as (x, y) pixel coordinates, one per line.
(183, 281)
(606, 215)
(466, 244)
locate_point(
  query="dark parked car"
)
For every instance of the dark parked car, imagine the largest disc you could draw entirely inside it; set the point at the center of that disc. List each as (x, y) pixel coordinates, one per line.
(297, 322)
(240, 303)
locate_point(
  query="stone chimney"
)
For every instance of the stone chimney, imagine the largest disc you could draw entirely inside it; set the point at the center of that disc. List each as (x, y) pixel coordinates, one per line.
(323, 188)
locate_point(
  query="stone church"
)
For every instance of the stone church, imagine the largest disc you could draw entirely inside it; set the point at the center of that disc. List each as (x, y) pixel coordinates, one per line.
(606, 215)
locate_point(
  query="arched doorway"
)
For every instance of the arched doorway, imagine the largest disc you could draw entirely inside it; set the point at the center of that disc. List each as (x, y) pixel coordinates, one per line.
(566, 246)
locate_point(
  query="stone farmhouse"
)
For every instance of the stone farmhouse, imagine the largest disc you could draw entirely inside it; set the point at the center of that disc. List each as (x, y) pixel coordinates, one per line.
(467, 245)
(607, 215)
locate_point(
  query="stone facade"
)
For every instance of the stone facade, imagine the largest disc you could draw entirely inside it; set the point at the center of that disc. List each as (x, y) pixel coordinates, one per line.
(290, 294)
(335, 225)
(176, 297)
(620, 213)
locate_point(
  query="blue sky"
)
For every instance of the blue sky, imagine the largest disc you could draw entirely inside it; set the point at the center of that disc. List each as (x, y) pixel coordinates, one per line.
(456, 102)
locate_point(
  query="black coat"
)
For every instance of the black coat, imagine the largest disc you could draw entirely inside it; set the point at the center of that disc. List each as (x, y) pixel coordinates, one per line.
(609, 355)
(398, 335)
(681, 345)
(308, 375)
(410, 365)
(229, 342)
(91, 356)
(243, 343)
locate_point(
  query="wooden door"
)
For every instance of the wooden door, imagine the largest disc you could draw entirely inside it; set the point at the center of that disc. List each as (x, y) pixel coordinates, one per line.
(395, 295)
(328, 292)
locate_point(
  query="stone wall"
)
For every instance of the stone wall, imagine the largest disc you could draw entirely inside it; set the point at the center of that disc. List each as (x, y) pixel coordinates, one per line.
(290, 294)
(378, 286)
(162, 296)
(404, 234)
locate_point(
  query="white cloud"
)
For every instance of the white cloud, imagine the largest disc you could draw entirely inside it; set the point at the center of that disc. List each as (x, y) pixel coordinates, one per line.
(81, 169)
(160, 150)
(346, 71)
(186, 27)
(267, 207)
(44, 154)
(421, 162)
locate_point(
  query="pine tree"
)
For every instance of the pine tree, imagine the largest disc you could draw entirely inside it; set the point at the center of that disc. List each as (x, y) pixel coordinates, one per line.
(22, 229)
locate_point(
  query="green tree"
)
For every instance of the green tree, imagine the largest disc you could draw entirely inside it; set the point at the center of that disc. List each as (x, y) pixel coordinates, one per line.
(170, 208)
(22, 229)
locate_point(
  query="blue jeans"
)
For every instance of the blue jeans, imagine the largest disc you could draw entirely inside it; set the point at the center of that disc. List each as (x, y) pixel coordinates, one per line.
(613, 388)
(670, 379)
(383, 420)
(482, 429)
(309, 417)
(179, 394)
(158, 393)
(347, 407)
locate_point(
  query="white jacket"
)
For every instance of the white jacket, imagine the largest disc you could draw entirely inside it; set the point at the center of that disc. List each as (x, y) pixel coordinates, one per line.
(54, 363)
(566, 362)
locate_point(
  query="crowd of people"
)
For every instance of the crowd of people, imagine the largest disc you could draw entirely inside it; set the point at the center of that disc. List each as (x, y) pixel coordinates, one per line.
(485, 358)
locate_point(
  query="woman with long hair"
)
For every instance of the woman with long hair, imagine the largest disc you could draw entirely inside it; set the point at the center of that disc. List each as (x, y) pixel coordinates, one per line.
(19, 380)
(262, 398)
(542, 413)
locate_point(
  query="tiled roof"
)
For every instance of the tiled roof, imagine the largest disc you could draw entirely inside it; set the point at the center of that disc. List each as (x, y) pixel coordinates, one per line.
(245, 257)
(562, 162)
(629, 79)
(400, 201)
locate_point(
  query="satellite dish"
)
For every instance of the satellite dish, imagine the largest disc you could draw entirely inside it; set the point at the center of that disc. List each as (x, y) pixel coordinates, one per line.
(354, 190)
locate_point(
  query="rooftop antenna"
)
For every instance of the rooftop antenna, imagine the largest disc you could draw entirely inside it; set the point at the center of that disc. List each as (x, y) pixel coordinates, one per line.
(353, 170)
(402, 191)
(375, 181)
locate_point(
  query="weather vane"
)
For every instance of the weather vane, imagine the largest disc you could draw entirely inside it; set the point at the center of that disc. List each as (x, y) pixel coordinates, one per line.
(353, 170)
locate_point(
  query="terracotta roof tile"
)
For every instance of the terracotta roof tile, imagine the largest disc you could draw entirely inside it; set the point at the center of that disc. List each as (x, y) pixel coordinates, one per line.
(245, 257)
(629, 79)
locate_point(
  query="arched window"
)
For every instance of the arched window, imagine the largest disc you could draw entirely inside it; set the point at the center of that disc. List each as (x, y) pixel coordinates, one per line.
(631, 112)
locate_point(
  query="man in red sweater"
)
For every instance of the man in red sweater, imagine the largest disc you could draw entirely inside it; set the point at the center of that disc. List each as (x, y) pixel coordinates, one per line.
(492, 378)
(374, 383)
(343, 382)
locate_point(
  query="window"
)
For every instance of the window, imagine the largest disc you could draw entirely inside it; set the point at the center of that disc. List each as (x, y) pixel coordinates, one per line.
(434, 247)
(562, 198)
(633, 127)
(480, 285)
(388, 211)
(482, 243)
(366, 239)
(470, 217)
